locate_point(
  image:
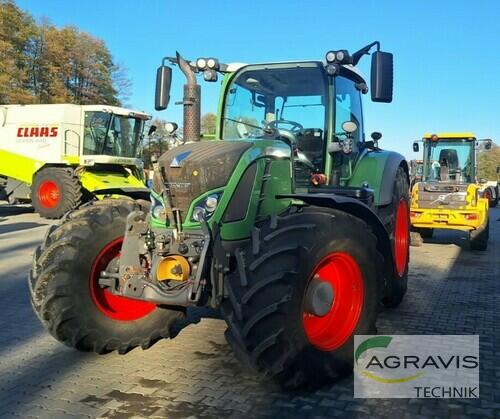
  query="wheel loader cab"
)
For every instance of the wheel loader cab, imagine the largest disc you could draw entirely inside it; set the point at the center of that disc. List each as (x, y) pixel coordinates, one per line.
(449, 160)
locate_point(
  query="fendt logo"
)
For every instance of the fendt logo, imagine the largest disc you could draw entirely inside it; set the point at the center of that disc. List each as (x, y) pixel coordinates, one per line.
(37, 132)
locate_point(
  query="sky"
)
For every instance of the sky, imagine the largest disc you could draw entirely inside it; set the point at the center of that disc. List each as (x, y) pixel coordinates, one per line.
(446, 52)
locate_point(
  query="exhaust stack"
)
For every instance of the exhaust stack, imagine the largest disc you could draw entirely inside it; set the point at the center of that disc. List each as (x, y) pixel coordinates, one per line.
(191, 102)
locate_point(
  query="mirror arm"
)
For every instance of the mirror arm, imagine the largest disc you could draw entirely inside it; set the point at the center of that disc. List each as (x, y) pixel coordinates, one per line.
(364, 51)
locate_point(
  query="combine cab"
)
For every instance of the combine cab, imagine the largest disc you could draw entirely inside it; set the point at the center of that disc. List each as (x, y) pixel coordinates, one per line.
(448, 195)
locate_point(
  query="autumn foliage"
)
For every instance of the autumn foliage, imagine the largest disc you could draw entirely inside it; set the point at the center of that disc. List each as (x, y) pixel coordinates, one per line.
(41, 63)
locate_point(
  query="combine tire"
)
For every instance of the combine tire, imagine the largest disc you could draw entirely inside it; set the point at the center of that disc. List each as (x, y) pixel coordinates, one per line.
(55, 191)
(270, 326)
(478, 238)
(65, 293)
(398, 226)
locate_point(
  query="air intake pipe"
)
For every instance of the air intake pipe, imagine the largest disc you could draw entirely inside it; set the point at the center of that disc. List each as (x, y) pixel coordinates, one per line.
(191, 102)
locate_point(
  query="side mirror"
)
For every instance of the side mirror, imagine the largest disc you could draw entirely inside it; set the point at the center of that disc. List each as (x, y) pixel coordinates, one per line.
(162, 93)
(487, 145)
(152, 129)
(376, 135)
(416, 148)
(349, 127)
(382, 77)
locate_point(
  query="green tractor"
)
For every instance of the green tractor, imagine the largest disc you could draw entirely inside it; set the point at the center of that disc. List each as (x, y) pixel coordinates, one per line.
(290, 222)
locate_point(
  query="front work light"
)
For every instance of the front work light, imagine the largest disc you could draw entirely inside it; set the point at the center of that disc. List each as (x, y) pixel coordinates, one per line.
(201, 63)
(206, 207)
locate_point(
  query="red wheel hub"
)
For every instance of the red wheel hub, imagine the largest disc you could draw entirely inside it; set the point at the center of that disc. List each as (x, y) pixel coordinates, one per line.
(49, 194)
(114, 306)
(332, 330)
(401, 237)
(487, 195)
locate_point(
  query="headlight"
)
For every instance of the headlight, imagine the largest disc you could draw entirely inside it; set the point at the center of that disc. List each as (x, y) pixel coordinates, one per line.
(205, 208)
(157, 209)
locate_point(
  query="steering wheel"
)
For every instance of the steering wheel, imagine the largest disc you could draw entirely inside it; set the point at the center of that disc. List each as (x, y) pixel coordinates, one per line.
(295, 126)
(290, 134)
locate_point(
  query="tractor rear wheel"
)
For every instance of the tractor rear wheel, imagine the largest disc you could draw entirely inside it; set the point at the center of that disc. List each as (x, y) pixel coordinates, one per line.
(65, 293)
(271, 325)
(55, 191)
(478, 238)
(398, 226)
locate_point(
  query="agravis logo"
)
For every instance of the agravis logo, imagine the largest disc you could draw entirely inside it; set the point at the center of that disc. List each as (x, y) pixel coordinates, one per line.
(440, 366)
(378, 342)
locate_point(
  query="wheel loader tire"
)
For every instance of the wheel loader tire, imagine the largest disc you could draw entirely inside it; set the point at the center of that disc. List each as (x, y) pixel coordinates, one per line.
(55, 191)
(425, 233)
(478, 238)
(65, 293)
(398, 227)
(269, 328)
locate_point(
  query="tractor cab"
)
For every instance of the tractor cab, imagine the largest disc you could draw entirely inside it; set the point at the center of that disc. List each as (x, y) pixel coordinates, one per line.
(294, 103)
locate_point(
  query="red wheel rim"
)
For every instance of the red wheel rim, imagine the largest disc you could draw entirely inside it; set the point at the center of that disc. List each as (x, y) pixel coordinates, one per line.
(401, 237)
(114, 306)
(334, 329)
(487, 195)
(49, 194)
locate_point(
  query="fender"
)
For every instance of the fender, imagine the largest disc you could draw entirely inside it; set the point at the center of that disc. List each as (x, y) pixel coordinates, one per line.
(360, 210)
(378, 170)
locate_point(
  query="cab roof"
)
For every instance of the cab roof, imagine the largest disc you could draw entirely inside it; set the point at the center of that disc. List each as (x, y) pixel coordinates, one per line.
(451, 136)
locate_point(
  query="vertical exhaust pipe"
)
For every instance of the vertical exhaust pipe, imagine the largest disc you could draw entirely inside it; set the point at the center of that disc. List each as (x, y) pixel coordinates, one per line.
(191, 102)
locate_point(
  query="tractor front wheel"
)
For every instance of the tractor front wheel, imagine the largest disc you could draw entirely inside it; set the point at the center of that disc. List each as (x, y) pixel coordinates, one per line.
(67, 297)
(309, 281)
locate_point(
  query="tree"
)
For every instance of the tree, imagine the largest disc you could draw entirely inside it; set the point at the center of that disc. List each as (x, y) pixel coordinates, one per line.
(488, 161)
(44, 64)
(208, 124)
(16, 36)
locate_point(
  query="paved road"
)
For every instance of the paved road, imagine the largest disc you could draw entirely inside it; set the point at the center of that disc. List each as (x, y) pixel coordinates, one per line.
(452, 290)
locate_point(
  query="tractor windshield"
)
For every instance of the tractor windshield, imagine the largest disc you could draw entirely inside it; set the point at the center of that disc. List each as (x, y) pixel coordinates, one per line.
(449, 161)
(279, 101)
(112, 134)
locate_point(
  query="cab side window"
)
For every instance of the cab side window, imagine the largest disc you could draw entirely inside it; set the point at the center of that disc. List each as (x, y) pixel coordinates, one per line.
(348, 107)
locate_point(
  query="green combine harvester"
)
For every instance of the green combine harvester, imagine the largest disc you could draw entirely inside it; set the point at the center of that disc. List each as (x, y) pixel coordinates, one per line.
(290, 222)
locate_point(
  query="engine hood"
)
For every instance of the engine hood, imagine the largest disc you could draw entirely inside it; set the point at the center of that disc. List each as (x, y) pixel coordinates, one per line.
(194, 168)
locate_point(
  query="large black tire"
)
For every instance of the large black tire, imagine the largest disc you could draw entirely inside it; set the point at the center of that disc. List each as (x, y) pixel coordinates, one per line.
(425, 233)
(55, 191)
(478, 238)
(60, 284)
(264, 310)
(491, 194)
(399, 283)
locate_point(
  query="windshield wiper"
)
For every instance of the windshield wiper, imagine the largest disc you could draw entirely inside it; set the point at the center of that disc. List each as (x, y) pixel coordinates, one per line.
(244, 123)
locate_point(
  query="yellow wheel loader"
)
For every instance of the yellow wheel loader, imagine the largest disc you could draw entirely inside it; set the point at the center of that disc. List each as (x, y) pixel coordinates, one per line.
(448, 196)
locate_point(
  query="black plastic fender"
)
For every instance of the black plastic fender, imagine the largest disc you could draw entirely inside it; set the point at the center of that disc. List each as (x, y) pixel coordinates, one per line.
(358, 209)
(394, 160)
